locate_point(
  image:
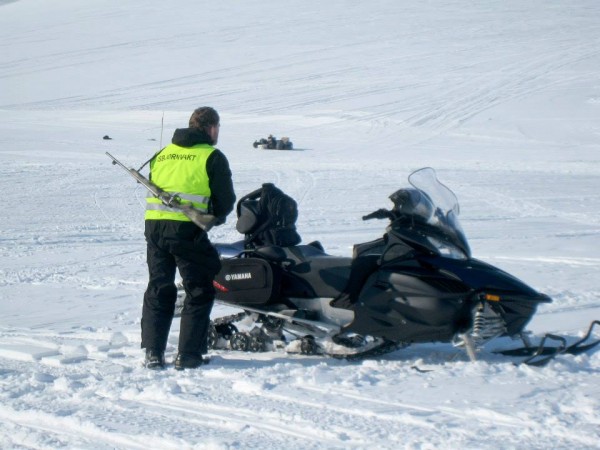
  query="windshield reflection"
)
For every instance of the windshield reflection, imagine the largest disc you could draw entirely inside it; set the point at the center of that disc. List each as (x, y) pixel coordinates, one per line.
(434, 204)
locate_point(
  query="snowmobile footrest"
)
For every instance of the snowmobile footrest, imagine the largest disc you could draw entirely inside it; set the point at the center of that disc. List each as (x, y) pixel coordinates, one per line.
(381, 349)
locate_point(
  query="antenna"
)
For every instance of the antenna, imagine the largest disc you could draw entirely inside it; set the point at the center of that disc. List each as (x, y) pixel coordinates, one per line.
(162, 124)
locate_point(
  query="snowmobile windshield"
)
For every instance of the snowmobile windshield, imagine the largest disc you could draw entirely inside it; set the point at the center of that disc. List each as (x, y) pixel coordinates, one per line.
(438, 207)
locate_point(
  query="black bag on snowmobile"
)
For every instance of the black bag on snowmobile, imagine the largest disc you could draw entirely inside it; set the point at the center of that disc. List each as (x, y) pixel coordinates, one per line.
(267, 216)
(250, 281)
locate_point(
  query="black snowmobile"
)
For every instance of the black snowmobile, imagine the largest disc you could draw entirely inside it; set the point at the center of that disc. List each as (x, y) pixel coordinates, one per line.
(418, 283)
(272, 143)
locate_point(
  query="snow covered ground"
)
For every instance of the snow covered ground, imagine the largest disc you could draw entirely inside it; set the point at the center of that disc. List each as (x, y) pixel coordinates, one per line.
(502, 98)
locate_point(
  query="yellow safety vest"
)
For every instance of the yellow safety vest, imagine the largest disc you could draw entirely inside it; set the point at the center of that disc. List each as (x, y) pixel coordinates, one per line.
(182, 171)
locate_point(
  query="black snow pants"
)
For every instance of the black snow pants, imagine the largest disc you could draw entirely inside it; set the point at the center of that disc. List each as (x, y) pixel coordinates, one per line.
(179, 245)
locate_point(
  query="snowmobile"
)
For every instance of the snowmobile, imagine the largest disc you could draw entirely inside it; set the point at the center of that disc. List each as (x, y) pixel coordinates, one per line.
(418, 283)
(272, 143)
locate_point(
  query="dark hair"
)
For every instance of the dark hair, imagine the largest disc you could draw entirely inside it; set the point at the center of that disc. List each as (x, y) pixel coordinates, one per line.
(204, 117)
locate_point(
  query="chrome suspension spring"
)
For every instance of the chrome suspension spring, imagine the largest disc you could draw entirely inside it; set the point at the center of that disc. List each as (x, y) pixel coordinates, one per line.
(487, 324)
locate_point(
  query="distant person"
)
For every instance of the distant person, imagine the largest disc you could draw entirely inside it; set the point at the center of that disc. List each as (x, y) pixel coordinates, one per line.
(192, 167)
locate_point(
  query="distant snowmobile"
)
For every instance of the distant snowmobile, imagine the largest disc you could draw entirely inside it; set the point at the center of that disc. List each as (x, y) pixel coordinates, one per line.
(272, 143)
(418, 283)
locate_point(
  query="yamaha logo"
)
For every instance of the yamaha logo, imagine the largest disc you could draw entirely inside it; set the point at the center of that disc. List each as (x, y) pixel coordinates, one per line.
(238, 276)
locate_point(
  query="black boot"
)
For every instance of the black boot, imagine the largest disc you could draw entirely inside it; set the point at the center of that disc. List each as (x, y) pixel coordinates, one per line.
(189, 361)
(155, 360)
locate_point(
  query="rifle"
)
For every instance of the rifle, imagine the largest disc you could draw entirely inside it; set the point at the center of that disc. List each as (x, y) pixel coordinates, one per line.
(204, 221)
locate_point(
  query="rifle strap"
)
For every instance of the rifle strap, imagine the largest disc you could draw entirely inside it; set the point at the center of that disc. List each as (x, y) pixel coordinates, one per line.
(150, 160)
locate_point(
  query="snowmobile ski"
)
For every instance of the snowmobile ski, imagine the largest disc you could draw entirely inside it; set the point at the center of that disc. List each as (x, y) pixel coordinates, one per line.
(542, 354)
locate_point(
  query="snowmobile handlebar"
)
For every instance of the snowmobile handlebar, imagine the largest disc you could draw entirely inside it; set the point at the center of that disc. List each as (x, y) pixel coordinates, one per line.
(381, 213)
(204, 221)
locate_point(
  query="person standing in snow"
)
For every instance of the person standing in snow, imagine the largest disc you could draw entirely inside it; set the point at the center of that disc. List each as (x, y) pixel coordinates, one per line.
(199, 173)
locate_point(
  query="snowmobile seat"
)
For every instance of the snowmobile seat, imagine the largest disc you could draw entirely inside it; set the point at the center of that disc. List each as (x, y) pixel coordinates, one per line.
(293, 255)
(325, 275)
(320, 274)
(272, 253)
(230, 250)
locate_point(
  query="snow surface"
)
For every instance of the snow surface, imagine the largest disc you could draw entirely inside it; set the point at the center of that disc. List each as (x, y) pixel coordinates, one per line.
(501, 97)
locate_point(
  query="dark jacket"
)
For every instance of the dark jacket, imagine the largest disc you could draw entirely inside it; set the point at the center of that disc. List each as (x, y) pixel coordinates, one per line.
(221, 185)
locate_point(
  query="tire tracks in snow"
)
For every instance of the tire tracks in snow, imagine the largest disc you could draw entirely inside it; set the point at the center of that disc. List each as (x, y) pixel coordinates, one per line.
(523, 208)
(229, 419)
(85, 433)
(468, 98)
(94, 402)
(393, 411)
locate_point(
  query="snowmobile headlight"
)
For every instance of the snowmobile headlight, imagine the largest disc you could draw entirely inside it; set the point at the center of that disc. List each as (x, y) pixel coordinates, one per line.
(446, 249)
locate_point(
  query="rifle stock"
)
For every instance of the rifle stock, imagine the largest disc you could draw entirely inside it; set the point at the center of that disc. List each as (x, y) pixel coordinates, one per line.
(204, 221)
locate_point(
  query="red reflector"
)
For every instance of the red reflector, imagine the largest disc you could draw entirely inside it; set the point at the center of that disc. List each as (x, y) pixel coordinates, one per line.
(220, 287)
